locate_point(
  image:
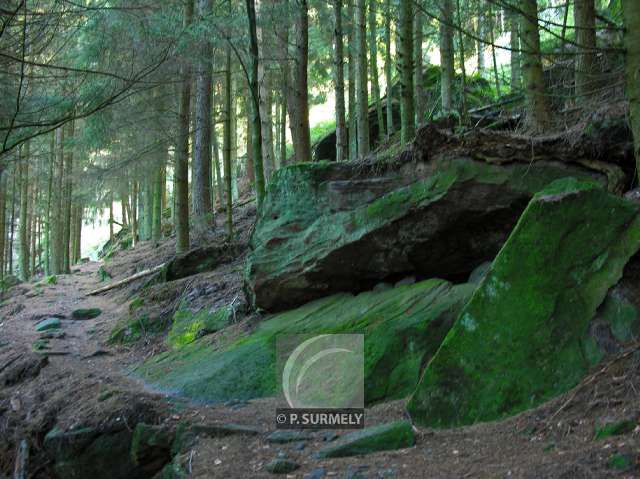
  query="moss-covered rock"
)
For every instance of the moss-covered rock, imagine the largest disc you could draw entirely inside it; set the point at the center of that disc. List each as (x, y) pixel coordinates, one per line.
(86, 313)
(524, 335)
(151, 446)
(403, 327)
(394, 435)
(188, 326)
(328, 227)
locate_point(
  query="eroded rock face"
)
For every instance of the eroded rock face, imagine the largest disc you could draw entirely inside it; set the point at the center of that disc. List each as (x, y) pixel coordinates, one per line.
(327, 227)
(527, 334)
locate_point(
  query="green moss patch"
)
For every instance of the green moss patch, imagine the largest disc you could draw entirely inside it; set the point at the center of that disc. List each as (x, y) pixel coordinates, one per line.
(402, 326)
(521, 338)
(189, 326)
(86, 313)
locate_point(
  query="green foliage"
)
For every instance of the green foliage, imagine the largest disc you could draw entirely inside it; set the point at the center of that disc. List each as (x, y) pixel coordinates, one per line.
(189, 326)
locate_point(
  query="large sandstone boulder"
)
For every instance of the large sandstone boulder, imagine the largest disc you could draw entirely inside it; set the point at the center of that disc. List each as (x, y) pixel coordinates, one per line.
(327, 227)
(403, 326)
(533, 328)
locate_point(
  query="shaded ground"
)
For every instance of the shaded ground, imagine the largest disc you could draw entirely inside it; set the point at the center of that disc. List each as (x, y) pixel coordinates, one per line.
(83, 381)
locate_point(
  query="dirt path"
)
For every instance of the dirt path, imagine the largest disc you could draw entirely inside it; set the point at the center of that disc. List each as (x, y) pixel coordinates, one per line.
(86, 382)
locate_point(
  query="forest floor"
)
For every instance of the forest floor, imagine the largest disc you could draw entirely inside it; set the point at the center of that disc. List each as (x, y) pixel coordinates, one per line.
(82, 379)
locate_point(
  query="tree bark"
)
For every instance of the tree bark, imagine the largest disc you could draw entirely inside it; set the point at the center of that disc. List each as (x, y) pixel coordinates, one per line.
(418, 81)
(584, 12)
(266, 93)
(539, 113)
(514, 45)
(256, 139)
(227, 143)
(47, 224)
(362, 79)
(388, 67)
(351, 59)
(631, 12)
(342, 149)
(181, 172)
(24, 213)
(463, 79)
(446, 55)
(3, 218)
(299, 92)
(201, 184)
(373, 67)
(408, 129)
(56, 218)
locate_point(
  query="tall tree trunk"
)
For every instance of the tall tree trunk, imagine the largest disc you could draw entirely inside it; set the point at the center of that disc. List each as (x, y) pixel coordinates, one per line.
(418, 81)
(351, 59)
(33, 224)
(250, 169)
(538, 106)
(12, 225)
(181, 170)
(492, 39)
(24, 213)
(68, 194)
(480, 45)
(201, 186)
(342, 149)
(47, 225)
(266, 93)
(463, 79)
(388, 67)
(408, 128)
(283, 129)
(56, 216)
(111, 235)
(631, 12)
(514, 45)
(3, 219)
(446, 55)
(156, 229)
(362, 79)
(373, 67)
(256, 130)
(228, 87)
(135, 234)
(584, 12)
(299, 92)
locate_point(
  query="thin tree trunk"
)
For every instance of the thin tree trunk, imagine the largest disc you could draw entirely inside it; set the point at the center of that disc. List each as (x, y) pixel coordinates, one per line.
(68, 193)
(266, 93)
(584, 12)
(111, 216)
(538, 106)
(56, 217)
(480, 45)
(408, 128)
(351, 59)
(418, 82)
(3, 219)
(446, 56)
(388, 67)
(201, 187)
(299, 90)
(362, 78)
(33, 224)
(373, 67)
(227, 143)
(463, 79)
(14, 197)
(24, 213)
(514, 44)
(156, 228)
(134, 212)
(492, 39)
(342, 149)
(47, 227)
(249, 165)
(256, 140)
(283, 129)
(631, 12)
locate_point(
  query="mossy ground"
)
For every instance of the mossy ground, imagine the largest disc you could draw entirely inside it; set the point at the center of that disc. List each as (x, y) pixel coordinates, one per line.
(403, 327)
(521, 338)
